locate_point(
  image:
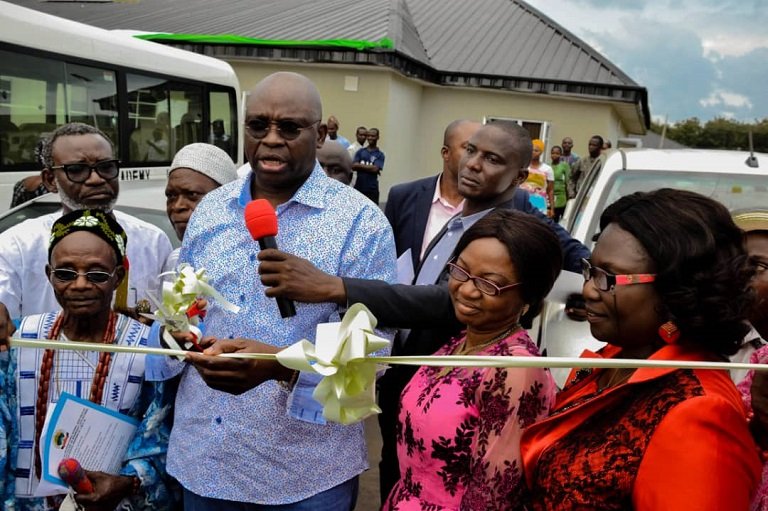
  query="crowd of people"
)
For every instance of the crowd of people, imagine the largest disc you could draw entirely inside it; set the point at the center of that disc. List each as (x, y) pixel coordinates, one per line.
(673, 276)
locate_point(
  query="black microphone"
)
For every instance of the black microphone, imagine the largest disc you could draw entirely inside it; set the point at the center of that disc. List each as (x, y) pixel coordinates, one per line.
(261, 222)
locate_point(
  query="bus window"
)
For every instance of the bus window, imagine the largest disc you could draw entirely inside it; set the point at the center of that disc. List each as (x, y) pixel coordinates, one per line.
(91, 98)
(186, 115)
(27, 104)
(223, 120)
(164, 116)
(39, 94)
(148, 118)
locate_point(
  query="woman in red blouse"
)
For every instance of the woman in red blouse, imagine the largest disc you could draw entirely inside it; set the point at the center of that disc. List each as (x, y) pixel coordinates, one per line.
(668, 280)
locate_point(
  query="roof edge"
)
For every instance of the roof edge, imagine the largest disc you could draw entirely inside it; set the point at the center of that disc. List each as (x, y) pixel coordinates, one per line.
(227, 39)
(577, 41)
(414, 68)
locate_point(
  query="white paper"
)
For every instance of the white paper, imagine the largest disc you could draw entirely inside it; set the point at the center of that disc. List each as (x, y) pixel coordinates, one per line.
(95, 436)
(405, 268)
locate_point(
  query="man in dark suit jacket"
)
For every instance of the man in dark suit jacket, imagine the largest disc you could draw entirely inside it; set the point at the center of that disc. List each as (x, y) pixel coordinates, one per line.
(419, 209)
(494, 164)
(407, 210)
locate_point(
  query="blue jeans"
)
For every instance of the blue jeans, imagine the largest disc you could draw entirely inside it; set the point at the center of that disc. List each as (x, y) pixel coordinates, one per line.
(339, 498)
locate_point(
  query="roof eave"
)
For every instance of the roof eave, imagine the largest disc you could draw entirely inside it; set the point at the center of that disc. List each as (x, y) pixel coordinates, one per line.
(408, 66)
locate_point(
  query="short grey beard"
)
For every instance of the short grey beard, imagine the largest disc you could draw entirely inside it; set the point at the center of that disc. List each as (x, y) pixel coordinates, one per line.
(73, 205)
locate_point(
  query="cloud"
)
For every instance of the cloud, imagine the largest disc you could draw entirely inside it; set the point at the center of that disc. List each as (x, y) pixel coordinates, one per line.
(747, 75)
(667, 59)
(732, 45)
(613, 4)
(726, 98)
(697, 58)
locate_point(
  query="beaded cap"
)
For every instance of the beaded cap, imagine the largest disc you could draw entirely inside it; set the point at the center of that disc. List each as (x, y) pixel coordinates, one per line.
(95, 221)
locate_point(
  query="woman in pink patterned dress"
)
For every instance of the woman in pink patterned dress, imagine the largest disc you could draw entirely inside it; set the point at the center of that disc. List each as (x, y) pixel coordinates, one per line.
(459, 427)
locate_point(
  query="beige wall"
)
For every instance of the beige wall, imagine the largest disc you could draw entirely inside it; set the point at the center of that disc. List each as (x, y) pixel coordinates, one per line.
(402, 134)
(365, 107)
(441, 105)
(412, 115)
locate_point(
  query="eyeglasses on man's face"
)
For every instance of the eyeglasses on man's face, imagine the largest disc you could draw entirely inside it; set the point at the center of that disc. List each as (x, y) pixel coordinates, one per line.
(95, 276)
(80, 172)
(604, 281)
(483, 285)
(287, 129)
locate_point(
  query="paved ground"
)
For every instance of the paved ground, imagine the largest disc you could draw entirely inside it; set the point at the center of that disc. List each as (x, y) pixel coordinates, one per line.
(368, 499)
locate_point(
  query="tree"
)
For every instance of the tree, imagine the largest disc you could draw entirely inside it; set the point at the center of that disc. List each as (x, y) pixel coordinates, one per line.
(718, 133)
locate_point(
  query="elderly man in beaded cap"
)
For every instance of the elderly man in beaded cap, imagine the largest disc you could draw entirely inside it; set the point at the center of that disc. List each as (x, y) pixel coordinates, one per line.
(80, 165)
(86, 264)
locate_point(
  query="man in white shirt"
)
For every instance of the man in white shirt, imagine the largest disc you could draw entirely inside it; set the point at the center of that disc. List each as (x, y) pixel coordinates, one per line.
(360, 137)
(80, 166)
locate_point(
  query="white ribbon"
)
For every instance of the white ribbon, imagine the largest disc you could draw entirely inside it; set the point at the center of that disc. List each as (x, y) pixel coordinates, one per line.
(177, 299)
(341, 355)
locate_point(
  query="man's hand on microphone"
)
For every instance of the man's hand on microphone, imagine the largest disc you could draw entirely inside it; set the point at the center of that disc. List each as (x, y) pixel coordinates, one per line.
(234, 375)
(108, 491)
(297, 279)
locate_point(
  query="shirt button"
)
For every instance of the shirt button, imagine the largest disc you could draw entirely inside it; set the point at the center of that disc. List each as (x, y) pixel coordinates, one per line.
(242, 298)
(253, 257)
(434, 257)
(218, 420)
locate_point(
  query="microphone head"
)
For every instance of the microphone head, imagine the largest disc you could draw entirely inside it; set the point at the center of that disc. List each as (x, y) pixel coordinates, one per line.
(73, 474)
(260, 219)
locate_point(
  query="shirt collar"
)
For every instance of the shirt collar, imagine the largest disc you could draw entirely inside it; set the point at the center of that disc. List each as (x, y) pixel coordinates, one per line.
(437, 196)
(469, 220)
(311, 193)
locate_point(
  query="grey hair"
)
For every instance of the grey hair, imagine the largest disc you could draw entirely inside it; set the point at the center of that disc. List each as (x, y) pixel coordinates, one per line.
(72, 128)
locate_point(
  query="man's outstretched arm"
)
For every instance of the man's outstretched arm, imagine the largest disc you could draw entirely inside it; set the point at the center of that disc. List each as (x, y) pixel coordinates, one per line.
(394, 305)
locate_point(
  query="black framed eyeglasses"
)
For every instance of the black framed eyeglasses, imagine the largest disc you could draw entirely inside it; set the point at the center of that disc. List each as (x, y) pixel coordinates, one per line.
(95, 276)
(289, 130)
(80, 172)
(604, 281)
(485, 286)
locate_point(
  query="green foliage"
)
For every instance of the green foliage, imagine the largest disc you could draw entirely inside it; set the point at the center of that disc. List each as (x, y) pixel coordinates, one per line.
(718, 133)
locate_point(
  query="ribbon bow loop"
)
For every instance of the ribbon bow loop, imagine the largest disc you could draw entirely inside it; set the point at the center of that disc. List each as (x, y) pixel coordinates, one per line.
(340, 354)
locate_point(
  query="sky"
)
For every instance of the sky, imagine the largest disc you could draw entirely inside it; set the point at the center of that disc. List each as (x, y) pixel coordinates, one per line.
(697, 58)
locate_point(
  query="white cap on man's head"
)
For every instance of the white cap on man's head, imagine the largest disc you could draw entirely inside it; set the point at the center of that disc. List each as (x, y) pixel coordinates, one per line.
(206, 159)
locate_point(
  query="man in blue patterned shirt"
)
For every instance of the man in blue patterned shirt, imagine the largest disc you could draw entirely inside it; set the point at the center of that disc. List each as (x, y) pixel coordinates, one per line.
(241, 440)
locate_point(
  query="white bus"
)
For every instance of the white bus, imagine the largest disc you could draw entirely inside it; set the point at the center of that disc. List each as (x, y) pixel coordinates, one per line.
(150, 99)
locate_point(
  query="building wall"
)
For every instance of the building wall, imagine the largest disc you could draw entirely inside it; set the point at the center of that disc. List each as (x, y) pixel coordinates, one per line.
(403, 132)
(573, 118)
(412, 115)
(363, 107)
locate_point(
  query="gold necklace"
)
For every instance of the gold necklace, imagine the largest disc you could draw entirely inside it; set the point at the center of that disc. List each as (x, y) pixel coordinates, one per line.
(463, 349)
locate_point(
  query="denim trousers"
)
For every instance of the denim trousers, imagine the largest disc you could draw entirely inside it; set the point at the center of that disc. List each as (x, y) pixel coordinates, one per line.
(339, 498)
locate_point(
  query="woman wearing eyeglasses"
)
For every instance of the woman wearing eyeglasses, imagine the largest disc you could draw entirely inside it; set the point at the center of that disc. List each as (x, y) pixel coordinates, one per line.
(668, 280)
(459, 427)
(86, 264)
